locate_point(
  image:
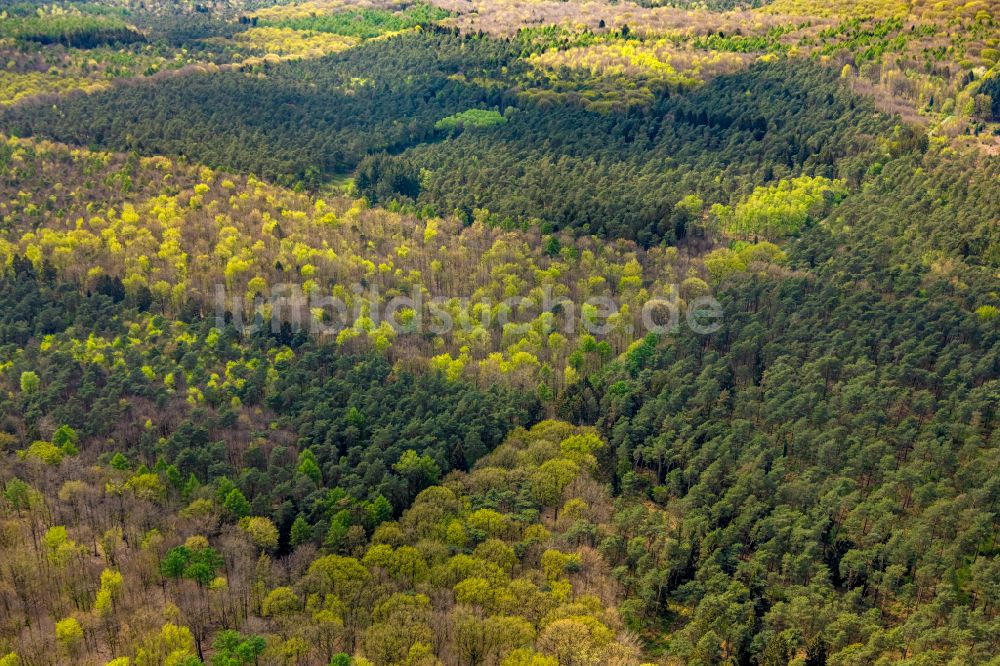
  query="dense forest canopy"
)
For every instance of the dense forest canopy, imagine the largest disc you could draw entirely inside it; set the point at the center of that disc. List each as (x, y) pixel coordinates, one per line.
(518, 333)
(309, 119)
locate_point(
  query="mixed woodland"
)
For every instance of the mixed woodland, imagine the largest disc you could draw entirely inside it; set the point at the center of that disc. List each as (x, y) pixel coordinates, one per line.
(433, 449)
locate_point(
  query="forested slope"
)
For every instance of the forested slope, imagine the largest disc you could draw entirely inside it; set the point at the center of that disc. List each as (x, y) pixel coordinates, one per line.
(558, 163)
(622, 175)
(291, 295)
(827, 460)
(298, 121)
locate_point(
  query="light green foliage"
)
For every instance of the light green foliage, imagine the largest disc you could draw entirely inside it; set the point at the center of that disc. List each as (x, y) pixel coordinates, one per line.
(172, 645)
(496, 552)
(59, 548)
(407, 564)
(280, 601)
(551, 478)
(30, 381)
(63, 444)
(586, 444)
(69, 633)
(112, 584)
(987, 312)
(776, 211)
(471, 119)
(488, 521)
(147, 486)
(555, 563)
(741, 257)
(261, 531)
(42, 451)
(344, 576)
(378, 555)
